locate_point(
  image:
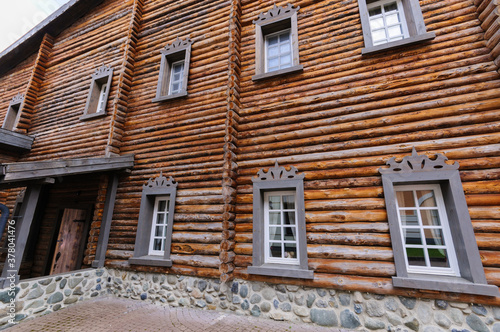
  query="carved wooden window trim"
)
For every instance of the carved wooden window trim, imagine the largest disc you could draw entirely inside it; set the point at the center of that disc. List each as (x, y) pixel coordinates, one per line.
(414, 23)
(13, 112)
(98, 93)
(179, 50)
(416, 170)
(278, 179)
(160, 186)
(277, 19)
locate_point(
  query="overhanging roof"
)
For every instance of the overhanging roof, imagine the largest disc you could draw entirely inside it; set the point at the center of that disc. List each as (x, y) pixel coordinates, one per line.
(53, 25)
(37, 170)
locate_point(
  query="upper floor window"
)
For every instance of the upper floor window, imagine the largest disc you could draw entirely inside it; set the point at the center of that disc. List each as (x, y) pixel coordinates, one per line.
(155, 224)
(98, 93)
(279, 226)
(387, 21)
(276, 42)
(174, 70)
(391, 23)
(13, 112)
(431, 231)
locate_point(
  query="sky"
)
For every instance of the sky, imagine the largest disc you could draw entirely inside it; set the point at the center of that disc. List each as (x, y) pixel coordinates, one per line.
(17, 17)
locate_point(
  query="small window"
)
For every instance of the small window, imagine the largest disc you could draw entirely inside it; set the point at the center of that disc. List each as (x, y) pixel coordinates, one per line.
(276, 43)
(387, 21)
(98, 94)
(431, 231)
(159, 225)
(279, 230)
(391, 23)
(13, 112)
(154, 228)
(174, 70)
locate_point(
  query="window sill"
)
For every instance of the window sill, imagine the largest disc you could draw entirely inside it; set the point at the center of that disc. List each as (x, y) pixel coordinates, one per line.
(92, 116)
(445, 284)
(289, 70)
(398, 43)
(150, 260)
(168, 97)
(281, 270)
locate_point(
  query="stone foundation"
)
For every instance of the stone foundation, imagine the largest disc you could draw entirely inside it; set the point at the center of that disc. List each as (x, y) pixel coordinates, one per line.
(326, 307)
(40, 296)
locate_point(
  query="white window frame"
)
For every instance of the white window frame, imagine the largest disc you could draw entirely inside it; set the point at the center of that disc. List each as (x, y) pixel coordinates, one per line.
(154, 224)
(101, 105)
(402, 20)
(453, 270)
(279, 33)
(267, 226)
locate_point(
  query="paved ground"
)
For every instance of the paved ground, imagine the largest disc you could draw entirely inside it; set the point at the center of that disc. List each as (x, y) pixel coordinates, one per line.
(115, 314)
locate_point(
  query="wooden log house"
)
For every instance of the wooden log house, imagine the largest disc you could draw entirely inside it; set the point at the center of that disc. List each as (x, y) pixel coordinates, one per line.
(159, 136)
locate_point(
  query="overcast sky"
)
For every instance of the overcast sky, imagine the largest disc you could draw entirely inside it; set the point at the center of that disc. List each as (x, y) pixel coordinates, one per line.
(17, 17)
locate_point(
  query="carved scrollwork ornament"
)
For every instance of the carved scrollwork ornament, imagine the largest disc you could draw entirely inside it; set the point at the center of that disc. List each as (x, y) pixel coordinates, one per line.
(102, 71)
(278, 173)
(276, 11)
(17, 99)
(418, 163)
(177, 44)
(161, 182)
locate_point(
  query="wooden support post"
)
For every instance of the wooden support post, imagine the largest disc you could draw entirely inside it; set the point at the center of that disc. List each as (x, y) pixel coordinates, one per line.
(107, 217)
(22, 232)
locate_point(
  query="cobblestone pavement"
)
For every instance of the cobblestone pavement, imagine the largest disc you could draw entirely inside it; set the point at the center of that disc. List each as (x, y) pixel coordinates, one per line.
(117, 314)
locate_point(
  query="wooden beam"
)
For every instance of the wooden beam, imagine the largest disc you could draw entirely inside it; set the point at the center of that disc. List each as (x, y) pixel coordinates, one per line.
(23, 227)
(25, 171)
(107, 217)
(13, 141)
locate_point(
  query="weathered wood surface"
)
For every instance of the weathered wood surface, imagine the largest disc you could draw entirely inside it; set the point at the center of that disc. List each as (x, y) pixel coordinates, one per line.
(338, 122)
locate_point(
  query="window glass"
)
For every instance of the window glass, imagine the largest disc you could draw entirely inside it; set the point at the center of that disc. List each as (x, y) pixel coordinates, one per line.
(159, 225)
(425, 230)
(176, 77)
(387, 21)
(278, 51)
(280, 227)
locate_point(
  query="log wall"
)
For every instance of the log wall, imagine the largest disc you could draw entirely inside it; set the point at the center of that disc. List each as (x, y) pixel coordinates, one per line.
(338, 122)
(341, 119)
(183, 138)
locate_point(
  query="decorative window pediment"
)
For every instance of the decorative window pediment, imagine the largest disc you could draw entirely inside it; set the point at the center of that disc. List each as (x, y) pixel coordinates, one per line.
(418, 163)
(278, 173)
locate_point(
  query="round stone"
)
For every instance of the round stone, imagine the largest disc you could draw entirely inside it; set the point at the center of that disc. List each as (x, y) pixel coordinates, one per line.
(496, 327)
(408, 302)
(257, 287)
(321, 304)
(301, 311)
(391, 304)
(479, 309)
(441, 304)
(456, 316)
(244, 291)
(280, 288)
(476, 323)
(54, 298)
(345, 299)
(256, 298)
(442, 320)
(63, 283)
(394, 319)
(310, 299)
(358, 308)
(349, 320)
(144, 296)
(276, 304)
(171, 279)
(209, 298)
(374, 309)
(255, 311)
(36, 293)
(413, 324)
(433, 329)
(234, 287)
(201, 304)
(202, 285)
(324, 317)
(268, 293)
(424, 313)
(245, 305)
(265, 306)
(45, 282)
(373, 324)
(321, 292)
(286, 307)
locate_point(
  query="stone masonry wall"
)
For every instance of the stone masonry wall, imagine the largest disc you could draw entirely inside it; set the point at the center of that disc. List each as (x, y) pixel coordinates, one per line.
(327, 307)
(40, 296)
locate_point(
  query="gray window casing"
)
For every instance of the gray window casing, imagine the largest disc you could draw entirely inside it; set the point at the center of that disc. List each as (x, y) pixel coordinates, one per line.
(178, 50)
(13, 112)
(276, 179)
(102, 75)
(419, 169)
(414, 21)
(159, 186)
(274, 20)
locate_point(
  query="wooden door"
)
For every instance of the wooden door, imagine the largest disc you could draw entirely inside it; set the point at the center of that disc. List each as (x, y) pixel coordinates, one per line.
(69, 241)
